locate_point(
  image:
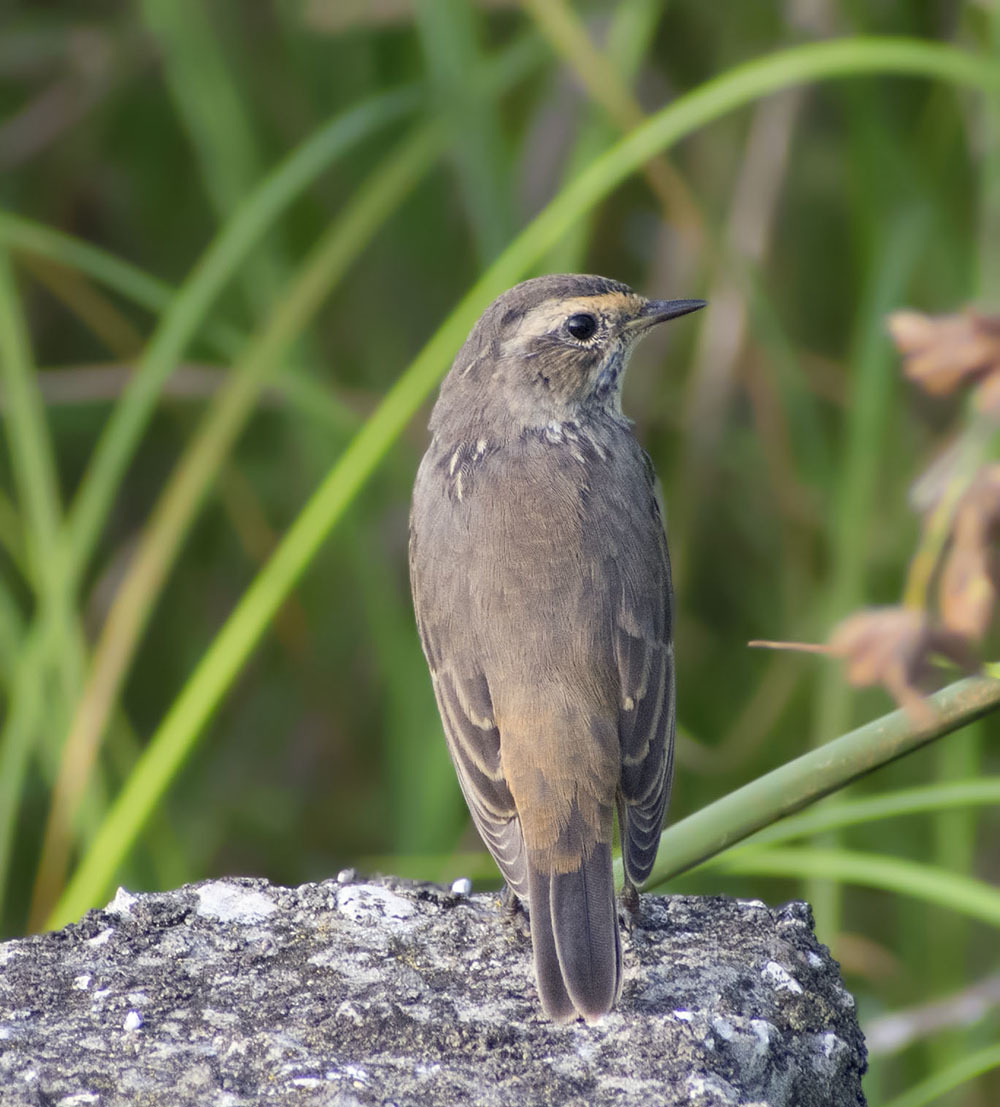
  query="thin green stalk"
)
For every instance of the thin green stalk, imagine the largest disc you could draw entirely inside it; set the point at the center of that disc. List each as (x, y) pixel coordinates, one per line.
(29, 441)
(33, 461)
(629, 36)
(940, 1083)
(816, 774)
(173, 515)
(203, 691)
(950, 796)
(974, 898)
(19, 233)
(567, 33)
(449, 36)
(207, 100)
(874, 381)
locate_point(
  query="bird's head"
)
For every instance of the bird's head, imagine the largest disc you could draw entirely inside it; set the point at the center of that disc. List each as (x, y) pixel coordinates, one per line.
(553, 348)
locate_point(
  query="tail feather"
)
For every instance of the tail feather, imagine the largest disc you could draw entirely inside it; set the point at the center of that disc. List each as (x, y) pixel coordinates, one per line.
(574, 931)
(551, 989)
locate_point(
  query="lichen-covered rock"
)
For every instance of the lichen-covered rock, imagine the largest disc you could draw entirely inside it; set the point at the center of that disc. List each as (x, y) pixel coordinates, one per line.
(236, 992)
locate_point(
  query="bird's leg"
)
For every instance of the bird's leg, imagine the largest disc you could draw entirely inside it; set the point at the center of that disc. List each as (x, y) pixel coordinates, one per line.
(630, 905)
(513, 911)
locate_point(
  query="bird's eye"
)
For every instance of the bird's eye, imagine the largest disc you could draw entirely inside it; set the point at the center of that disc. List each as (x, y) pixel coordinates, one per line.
(581, 326)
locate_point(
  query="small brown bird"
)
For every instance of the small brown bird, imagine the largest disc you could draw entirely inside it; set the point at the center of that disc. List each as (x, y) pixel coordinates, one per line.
(541, 584)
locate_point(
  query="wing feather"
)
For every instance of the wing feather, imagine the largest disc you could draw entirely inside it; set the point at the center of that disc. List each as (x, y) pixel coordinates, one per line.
(474, 743)
(644, 652)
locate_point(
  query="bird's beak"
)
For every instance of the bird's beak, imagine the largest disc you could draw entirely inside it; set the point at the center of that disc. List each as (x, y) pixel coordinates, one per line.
(659, 311)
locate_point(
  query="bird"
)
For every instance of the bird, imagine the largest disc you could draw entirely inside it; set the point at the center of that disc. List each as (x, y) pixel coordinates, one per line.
(542, 592)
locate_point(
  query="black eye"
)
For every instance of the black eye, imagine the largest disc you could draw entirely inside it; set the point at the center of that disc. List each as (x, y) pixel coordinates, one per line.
(581, 326)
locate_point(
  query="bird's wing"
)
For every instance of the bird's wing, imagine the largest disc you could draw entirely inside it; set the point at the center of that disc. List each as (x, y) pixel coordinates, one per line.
(645, 656)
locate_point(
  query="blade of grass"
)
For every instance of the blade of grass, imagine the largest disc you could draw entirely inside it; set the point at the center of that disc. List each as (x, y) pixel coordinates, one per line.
(953, 795)
(34, 468)
(449, 35)
(974, 898)
(208, 102)
(939, 1084)
(629, 37)
(174, 513)
(564, 29)
(29, 441)
(201, 694)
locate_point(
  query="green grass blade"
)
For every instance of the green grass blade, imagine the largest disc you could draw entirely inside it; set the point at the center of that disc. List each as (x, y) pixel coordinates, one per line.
(20, 233)
(29, 441)
(448, 31)
(224, 658)
(207, 100)
(939, 1084)
(963, 894)
(953, 795)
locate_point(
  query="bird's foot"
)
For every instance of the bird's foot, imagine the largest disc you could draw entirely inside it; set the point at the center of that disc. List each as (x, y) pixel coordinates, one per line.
(628, 916)
(513, 911)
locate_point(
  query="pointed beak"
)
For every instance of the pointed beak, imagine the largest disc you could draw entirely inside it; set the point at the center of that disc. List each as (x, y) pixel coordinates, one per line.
(659, 311)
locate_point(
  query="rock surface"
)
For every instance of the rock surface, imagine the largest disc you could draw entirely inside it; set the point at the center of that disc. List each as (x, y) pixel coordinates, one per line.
(237, 992)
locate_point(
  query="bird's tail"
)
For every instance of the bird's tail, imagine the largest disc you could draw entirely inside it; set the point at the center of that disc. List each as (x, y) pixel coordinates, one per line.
(574, 932)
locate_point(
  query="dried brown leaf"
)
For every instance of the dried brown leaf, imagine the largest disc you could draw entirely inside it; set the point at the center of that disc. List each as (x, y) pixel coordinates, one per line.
(892, 646)
(944, 351)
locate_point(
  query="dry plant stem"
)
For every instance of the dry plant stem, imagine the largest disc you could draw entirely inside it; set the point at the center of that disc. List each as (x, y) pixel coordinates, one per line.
(973, 449)
(82, 297)
(816, 774)
(898, 1030)
(569, 38)
(751, 222)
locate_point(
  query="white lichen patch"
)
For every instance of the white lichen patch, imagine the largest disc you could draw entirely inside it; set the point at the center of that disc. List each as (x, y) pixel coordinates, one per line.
(132, 1021)
(724, 1028)
(781, 978)
(369, 904)
(711, 1089)
(8, 951)
(99, 939)
(82, 982)
(231, 903)
(122, 904)
(829, 1052)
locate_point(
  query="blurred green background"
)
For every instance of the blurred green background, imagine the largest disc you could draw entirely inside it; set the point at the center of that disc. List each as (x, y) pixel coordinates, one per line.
(434, 132)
